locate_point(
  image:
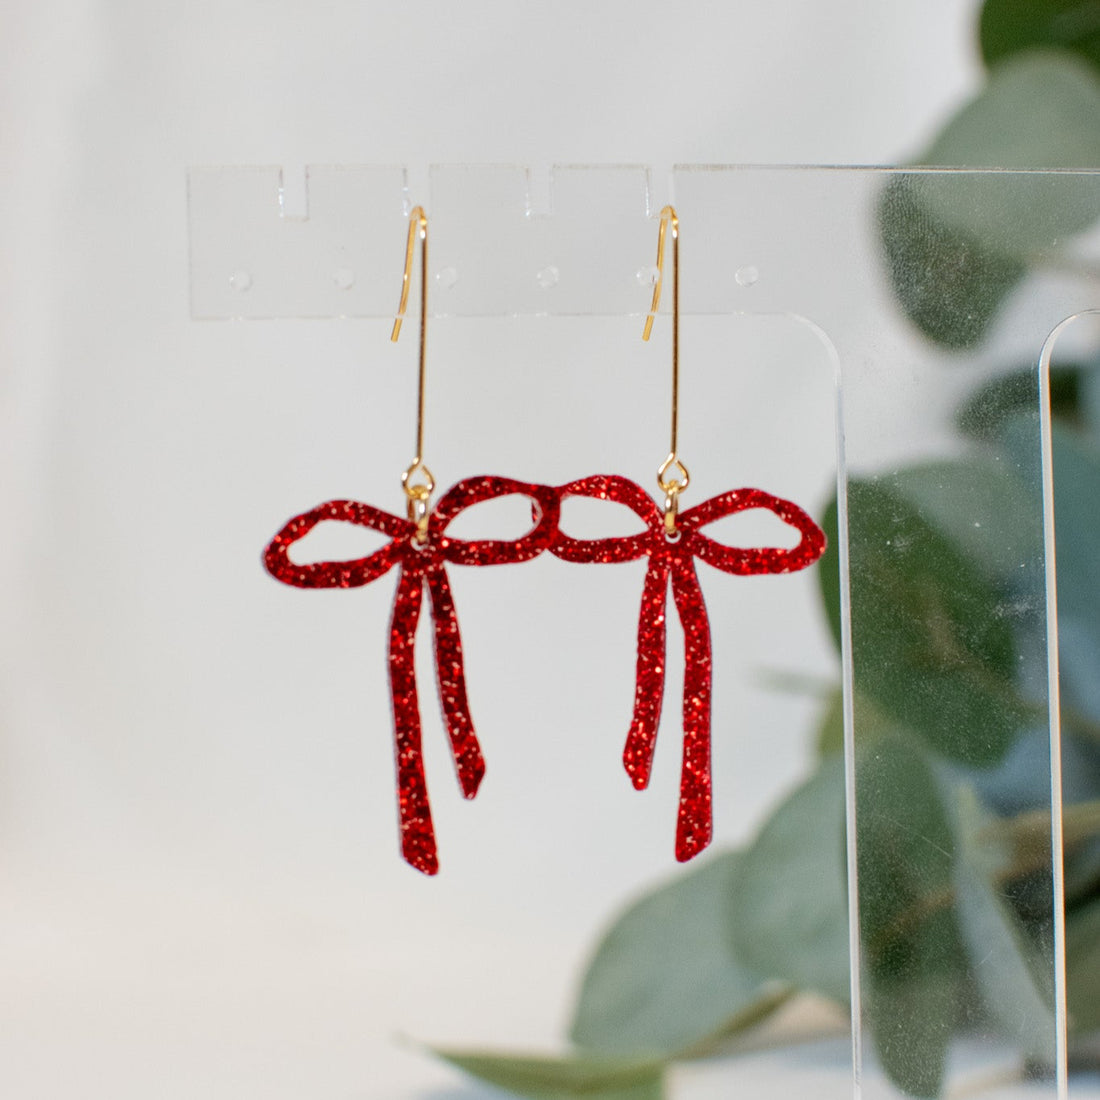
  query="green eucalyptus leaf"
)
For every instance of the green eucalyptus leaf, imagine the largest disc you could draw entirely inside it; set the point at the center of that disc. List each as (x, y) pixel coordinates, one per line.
(828, 571)
(1076, 514)
(1038, 110)
(1077, 526)
(1077, 537)
(870, 722)
(664, 976)
(986, 412)
(913, 1020)
(789, 912)
(913, 959)
(906, 847)
(981, 505)
(957, 243)
(949, 285)
(1082, 878)
(932, 645)
(1008, 27)
(830, 730)
(1083, 966)
(592, 1077)
(1014, 976)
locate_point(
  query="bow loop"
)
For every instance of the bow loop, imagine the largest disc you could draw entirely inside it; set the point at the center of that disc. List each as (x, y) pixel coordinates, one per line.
(619, 490)
(744, 561)
(337, 574)
(476, 490)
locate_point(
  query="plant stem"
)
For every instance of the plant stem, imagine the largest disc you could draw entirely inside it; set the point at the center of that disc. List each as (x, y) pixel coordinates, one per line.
(1029, 834)
(742, 1021)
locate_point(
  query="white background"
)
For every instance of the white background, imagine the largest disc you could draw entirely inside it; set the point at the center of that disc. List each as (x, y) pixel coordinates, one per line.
(202, 895)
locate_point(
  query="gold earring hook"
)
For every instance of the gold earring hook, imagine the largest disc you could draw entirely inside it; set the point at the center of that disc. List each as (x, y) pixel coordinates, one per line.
(671, 486)
(417, 480)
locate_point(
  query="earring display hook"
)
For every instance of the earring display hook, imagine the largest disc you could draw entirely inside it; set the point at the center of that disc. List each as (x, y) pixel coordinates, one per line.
(417, 480)
(673, 485)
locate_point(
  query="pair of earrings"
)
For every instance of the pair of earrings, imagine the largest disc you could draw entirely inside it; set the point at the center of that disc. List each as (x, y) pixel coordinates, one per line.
(421, 549)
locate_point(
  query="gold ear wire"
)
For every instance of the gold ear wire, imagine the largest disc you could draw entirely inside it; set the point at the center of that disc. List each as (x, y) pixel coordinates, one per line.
(417, 480)
(671, 486)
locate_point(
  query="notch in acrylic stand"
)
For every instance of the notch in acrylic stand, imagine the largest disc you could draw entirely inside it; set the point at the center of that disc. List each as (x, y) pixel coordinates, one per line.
(504, 241)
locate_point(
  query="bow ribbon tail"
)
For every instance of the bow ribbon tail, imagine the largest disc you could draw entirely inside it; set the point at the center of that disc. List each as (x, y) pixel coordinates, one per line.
(649, 682)
(417, 834)
(451, 677)
(694, 820)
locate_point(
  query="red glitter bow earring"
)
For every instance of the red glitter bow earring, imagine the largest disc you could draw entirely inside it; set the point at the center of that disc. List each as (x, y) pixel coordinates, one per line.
(420, 547)
(671, 542)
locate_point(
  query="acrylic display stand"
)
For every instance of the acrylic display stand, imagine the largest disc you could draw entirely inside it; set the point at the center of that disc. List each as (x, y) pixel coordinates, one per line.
(799, 243)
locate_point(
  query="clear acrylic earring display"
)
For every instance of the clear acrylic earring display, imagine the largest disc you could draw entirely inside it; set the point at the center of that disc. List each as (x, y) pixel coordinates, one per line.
(943, 315)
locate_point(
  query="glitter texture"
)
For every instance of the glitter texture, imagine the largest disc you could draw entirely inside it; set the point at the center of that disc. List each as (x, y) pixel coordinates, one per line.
(422, 565)
(673, 561)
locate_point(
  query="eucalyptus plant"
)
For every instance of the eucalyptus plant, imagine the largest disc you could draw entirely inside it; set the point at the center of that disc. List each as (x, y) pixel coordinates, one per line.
(950, 736)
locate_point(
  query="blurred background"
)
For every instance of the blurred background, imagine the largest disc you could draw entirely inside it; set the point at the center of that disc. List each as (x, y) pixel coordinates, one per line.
(202, 893)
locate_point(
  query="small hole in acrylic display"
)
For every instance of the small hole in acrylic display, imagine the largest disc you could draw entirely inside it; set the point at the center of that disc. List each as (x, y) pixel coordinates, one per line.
(240, 280)
(446, 278)
(548, 277)
(746, 276)
(343, 278)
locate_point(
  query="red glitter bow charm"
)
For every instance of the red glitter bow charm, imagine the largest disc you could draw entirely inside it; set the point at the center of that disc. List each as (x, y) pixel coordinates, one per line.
(421, 564)
(672, 559)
